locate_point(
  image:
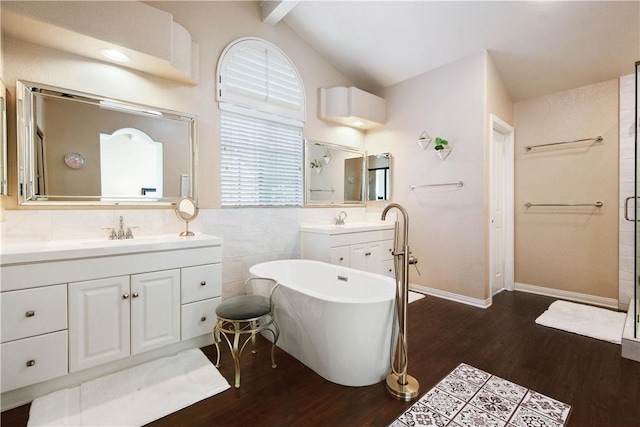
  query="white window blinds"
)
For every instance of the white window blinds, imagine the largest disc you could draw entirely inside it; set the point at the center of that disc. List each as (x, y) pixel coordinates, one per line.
(261, 161)
(262, 107)
(256, 74)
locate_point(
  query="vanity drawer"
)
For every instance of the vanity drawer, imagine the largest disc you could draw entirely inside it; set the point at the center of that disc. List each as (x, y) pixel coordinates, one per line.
(340, 256)
(199, 318)
(201, 282)
(32, 360)
(387, 249)
(33, 312)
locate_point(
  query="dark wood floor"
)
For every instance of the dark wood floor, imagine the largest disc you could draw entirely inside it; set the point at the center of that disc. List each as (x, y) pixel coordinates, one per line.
(590, 375)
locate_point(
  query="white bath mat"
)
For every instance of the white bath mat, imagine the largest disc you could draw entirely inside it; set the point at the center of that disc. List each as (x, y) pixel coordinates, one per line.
(469, 396)
(594, 322)
(415, 296)
(134, 396)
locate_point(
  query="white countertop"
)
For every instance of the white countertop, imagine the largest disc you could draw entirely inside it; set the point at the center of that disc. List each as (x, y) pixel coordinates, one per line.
(349, 227)
(51, 250)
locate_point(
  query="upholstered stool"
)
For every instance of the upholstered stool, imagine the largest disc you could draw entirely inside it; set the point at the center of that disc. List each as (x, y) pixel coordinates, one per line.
(248, 314)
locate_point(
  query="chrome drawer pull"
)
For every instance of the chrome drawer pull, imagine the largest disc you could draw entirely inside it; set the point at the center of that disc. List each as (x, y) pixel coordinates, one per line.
(30, 313)
(31, 362)
(203, 318)
(135, 295)
(125, 296)
(203, 283)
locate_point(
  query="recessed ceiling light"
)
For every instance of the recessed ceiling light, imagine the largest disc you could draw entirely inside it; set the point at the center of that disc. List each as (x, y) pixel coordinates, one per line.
(115, 55)
(358, 123)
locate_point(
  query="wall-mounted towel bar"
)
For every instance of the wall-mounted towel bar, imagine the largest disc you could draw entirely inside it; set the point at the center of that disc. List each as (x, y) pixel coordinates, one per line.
(316, 190)
(457, 184)
(596, 204)
(597, 140)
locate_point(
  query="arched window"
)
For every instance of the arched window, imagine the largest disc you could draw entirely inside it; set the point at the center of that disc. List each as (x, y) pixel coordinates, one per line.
(262, 114)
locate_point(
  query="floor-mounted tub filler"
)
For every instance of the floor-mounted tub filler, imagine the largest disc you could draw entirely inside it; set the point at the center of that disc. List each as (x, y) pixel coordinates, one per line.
(336, 320)
(400, 384)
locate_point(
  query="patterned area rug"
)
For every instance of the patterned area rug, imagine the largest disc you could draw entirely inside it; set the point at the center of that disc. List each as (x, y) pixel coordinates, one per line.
(470, 397)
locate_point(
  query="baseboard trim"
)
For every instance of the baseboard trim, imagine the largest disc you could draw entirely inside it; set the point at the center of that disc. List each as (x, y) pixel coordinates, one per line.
(568, 295)
(451, 296)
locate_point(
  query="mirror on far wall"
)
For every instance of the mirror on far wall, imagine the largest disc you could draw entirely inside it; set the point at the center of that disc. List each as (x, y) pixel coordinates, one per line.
(3, 139)
(80, 149)
(334, 175)
(379, 176)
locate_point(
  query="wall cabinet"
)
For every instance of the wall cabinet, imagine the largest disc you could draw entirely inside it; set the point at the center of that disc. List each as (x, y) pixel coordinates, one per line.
(366, 248)
(80, 312)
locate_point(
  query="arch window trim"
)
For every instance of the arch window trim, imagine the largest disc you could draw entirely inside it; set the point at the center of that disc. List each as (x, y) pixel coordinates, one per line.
(255, 73)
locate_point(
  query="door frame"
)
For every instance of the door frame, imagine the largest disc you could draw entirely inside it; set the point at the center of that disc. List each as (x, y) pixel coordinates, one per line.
(499, 125)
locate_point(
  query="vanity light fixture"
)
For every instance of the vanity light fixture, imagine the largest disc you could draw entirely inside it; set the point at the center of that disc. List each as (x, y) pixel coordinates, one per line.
(424, 140)
(115, 55)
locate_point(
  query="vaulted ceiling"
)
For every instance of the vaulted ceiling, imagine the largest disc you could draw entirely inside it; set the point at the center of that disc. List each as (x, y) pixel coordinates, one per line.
(538, 47)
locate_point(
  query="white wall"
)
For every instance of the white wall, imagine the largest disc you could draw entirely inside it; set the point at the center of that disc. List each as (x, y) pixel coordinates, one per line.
(251, 235)
(446, 227)
(571, 250)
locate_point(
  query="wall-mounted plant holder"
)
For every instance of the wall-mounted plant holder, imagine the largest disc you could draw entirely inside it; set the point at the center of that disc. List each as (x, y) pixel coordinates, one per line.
(442, 148)
(424, 140)
(327, 157)
(444, 153)
(316, 166)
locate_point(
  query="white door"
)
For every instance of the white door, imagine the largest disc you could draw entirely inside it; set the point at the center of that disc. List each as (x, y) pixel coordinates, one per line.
(155, 310)
(98, 322)
(501, 207)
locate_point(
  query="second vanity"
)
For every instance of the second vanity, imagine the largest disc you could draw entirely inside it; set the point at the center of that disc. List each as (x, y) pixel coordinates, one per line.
(364, 246)
(75, 310)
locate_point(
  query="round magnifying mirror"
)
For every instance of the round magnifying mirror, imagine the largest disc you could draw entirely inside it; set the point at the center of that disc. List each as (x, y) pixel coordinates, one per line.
(187, 211)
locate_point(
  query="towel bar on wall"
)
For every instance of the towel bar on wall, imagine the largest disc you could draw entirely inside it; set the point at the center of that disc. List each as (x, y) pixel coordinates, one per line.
(457, 184)
(316, 190)
(596, 204)
(597, 140)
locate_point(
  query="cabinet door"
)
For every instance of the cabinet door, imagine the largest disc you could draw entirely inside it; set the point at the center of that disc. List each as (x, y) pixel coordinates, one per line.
(340, 256)
(155, 310)
(368, 257)
(98, 322)
(358, 256)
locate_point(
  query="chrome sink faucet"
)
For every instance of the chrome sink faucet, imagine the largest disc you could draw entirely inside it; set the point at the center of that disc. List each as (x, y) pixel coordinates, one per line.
(122, 233)
(341, 217)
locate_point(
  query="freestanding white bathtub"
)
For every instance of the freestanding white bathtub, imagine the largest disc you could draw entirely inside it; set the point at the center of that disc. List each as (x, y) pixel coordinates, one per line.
(336, 320)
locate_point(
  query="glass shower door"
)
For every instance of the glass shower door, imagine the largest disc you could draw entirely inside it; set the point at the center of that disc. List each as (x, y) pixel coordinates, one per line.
(635, 306)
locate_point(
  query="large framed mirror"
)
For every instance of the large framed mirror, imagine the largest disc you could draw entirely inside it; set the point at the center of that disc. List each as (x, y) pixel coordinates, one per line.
(379, 176)
(80, 149)
(3, 139)
(334, 175)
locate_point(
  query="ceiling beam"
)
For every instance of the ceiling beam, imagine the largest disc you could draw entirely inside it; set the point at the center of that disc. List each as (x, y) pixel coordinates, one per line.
(274, 11)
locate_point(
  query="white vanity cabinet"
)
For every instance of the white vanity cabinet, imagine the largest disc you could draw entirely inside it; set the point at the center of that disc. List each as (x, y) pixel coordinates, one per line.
(34, 335)
(361, 246)
(73, 311)
(118, 316)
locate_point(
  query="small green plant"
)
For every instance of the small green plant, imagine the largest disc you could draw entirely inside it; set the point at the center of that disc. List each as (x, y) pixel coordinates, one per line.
(440, 143)
(315, 164)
